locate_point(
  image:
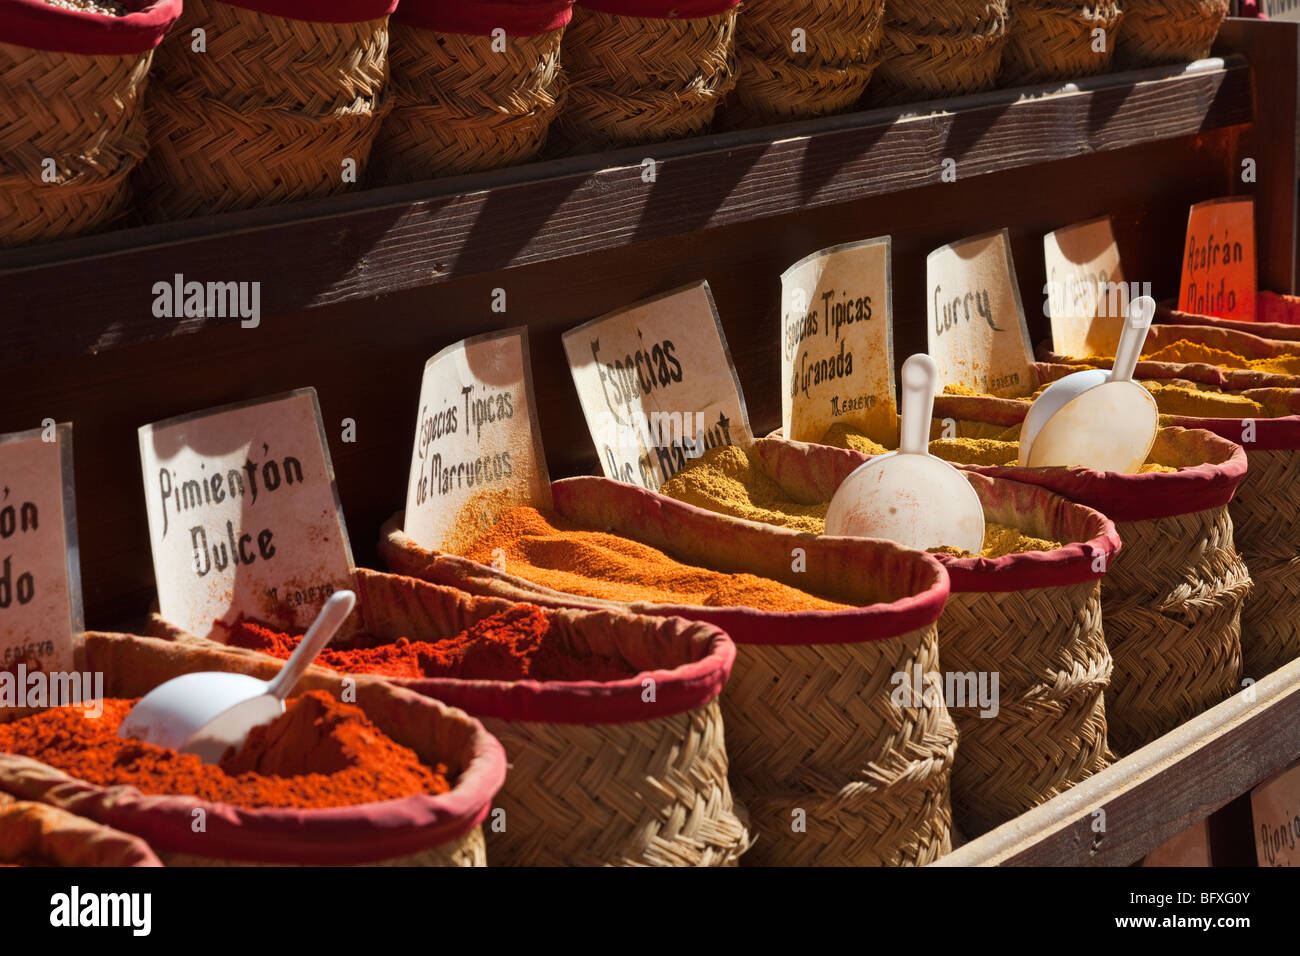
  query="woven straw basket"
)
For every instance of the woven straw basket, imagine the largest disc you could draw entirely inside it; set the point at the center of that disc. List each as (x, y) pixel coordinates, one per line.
(55, 837)
(777, 83)
(416, 831)
(1033, 620)
(1169, 31)
(1266, 509)
(643, 71)
(277, 109)
(1055, 39)
(72, 123)
(1172, 599)
(464, 100)
(933, 48)
(830, 768)
(599, 776)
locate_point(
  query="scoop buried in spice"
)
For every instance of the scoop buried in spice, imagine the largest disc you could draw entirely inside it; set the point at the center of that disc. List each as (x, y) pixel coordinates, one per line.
(210, 712)
(910, 496)
(1096, 418)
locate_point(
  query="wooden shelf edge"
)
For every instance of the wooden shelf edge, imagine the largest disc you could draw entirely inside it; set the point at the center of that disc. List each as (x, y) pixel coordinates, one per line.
(1158, 791)
(98, 291)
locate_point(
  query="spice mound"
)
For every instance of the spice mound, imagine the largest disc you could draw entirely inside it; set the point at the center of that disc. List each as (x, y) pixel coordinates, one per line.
(319, 753)
(515, 644)
(1001, 450)
(1000, 541)
(726, 474)
(720, 480)
(1185, 351)
(107, 8)
(558, 554)
(841, 435)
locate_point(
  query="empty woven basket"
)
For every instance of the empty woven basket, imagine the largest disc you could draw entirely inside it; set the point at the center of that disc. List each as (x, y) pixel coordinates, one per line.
(273, 108)
(933, 48)
(72, 124)
(1060, 39)
(642, 71)
(804, 60)
(474, 86)
(1169, 31)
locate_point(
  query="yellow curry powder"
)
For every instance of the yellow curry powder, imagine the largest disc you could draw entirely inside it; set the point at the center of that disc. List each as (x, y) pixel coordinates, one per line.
(846, 436)
(1002, 450)
(1184, 351)
(1000, 540)
(729, 482)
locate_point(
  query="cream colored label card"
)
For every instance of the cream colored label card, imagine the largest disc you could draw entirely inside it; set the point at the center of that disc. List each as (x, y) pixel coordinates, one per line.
(1219, 260)
(244, 517)
(657, 385)
(40, 576)
(1087, 299)
(837, 352)
(1275, 810)
(977, 332)
(478, 449)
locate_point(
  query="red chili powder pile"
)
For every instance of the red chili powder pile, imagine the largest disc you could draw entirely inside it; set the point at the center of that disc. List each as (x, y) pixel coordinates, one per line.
(320, 753)
(515, 644)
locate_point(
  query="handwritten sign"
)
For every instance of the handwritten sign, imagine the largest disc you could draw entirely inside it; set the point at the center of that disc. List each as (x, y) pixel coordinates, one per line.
(40, 575)
(1288, 10)
(1219, 260)
(244, 518)
(977, 332)
(657, 385)
(837, 343)
(1275, 811)
(478, 450)
(1087, 299)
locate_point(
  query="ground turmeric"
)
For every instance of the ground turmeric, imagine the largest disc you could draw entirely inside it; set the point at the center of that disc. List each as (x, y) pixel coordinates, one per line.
(703, 480)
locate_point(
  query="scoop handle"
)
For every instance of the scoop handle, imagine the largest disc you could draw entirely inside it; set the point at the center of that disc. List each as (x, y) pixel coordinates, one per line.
(336, 609)
(919, 377)
(1132, 337)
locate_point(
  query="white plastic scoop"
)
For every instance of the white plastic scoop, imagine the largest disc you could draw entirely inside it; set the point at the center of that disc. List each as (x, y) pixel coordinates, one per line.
(209, 712)
(909, 496)
(1097, 418)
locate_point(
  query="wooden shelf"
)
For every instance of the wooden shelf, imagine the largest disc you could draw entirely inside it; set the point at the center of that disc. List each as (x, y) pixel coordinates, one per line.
(1160, 790)
(97, 291)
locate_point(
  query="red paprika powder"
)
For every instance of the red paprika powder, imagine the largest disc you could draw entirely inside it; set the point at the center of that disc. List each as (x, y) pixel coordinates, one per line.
(518, 643)
(320, 753)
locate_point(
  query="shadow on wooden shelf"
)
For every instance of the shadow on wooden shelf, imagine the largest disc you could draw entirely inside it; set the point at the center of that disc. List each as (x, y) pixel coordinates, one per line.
(1157, 792)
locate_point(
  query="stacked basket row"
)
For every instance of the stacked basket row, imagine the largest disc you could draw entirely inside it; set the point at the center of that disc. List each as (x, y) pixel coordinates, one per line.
(265, 101)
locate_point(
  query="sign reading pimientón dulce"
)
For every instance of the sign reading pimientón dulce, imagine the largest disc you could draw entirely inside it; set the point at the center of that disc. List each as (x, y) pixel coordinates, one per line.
(244, 517)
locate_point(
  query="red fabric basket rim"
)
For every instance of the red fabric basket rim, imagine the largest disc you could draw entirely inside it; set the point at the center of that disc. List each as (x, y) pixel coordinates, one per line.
(365, 833)
(678, 689)
(516, 17)
(661, 9)
(39, 26)
(319, 11)
(742, 624)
